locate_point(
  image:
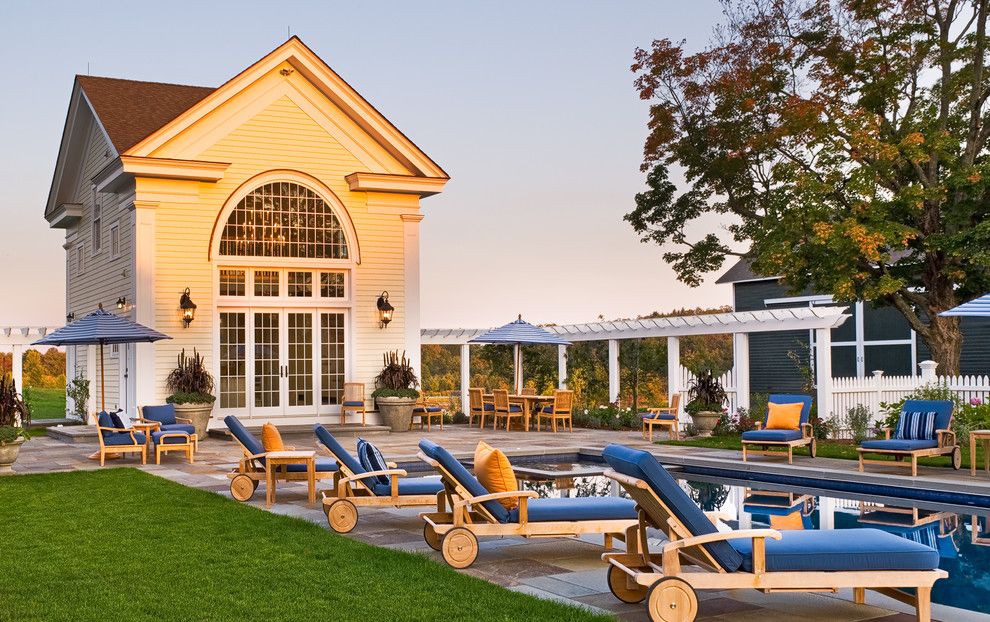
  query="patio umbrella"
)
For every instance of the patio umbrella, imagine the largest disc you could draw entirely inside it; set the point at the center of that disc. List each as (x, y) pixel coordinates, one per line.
(519, 333)
(978, 307)
(100, 328)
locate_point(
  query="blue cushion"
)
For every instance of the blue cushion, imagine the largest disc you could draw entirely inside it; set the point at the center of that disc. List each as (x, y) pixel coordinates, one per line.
(323, 465)
(515, 408)
(658, 416)
(770, 505)
(916, 425)
(244, 437)
(172, 440)
(188, 428)
(372, 460)
(577, 508)
(790, 398)
(463, 477)
(123, 438)
(338, 451)
(547, 409)
(642, 465)
(942, 408)
(772, 435)
(489, 406)
(899, 445)
(411, 486)
(428, 409)
(164, 414)
(842, 549)
(353, 403)
(103, 420)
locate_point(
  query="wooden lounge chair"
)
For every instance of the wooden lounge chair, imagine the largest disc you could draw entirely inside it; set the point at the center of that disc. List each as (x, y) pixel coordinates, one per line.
(167, 421)
(937, 438)
(478, 407)
(764, 559)
(353, 402)
(250, 471)
(504, 409)
(802, 436)
(355, 486)
(666, 417)
(430, 408)
(560, 410)
(115, 439)
(476, 512)
(783, 510)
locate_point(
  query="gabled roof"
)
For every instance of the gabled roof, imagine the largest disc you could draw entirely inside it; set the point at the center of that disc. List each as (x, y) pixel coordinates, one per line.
(742, 270)
(132, 110)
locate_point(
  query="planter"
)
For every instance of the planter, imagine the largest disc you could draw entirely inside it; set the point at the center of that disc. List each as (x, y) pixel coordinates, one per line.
(8, 455)
(397, 412)
(199, 414)
(705, 421)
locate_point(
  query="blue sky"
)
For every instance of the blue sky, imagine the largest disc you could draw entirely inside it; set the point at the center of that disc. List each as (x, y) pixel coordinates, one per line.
(529, 106)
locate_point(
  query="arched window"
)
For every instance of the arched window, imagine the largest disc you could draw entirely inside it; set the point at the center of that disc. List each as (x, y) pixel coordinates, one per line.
(283, 219)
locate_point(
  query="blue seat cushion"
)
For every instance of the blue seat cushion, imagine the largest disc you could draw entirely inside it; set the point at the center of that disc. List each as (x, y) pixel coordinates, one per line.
(173, 440)
(104, 420)
(427, 409)
(411, 486)
(658, 416)
(899, 444)
(547, 410)
(642, 465)
(353, 403)
(772, 435)
(837, 550)
(188, 428)
(463, 477)
(577, 509)
(489, 406)
(323, 465)
(515, 408)
(372, 460)
(123, 438)
(164, 414)
(338, 451)
(244, 437)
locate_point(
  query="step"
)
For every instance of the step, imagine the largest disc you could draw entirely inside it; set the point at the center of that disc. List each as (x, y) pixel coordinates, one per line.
(73, 433)
(306, 429)
(51, 423)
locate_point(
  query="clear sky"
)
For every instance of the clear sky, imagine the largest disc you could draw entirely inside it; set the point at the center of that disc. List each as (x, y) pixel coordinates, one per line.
(528, 105)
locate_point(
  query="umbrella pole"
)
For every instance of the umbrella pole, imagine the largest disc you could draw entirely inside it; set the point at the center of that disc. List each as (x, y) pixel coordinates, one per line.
(103, 383)
(518, 361)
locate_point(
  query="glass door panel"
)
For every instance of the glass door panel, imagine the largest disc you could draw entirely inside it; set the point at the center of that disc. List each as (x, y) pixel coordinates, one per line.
(267, 363)
(299, 361)
(233, 360)
(331, 358)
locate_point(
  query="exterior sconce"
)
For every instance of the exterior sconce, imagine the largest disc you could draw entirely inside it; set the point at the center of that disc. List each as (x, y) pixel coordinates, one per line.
(188, 308)
(121, 303)
(384, 310)
(70, 317)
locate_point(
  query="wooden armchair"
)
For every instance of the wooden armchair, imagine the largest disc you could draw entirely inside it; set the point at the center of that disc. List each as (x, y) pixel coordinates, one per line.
(116, 439)
(560, 410)
(353, 402)
(664, 417)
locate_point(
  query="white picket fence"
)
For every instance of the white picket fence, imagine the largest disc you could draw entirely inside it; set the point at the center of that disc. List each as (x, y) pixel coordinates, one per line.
(727, 380)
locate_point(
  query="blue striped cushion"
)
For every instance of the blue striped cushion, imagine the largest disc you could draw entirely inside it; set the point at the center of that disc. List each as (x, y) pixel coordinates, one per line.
(372, 460)
(916, 426)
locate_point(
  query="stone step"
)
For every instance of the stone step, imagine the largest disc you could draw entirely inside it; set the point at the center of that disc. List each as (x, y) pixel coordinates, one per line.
(73, 433)
(51, 423)
(306, 429)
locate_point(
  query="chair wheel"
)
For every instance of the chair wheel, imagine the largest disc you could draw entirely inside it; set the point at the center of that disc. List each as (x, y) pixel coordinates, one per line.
(814, 448)
(459, 547)
(619, 586)
(956, 458)
(342, 516)
(431, 537)
(242, 487)
(671, 600)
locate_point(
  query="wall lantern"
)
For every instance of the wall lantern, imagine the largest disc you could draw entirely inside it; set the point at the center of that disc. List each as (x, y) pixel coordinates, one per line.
(188, 308)
(384, 310)
(70, 317)
(121, 303)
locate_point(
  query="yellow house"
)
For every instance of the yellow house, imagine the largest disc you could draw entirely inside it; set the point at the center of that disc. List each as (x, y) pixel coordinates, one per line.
(282, 201)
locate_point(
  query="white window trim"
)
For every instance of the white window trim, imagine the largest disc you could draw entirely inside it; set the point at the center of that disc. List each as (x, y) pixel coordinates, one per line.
(80, 259)
(114, 226)
(97, 232)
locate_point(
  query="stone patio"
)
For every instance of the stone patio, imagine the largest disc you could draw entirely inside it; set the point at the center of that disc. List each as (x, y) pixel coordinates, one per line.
(558, 569)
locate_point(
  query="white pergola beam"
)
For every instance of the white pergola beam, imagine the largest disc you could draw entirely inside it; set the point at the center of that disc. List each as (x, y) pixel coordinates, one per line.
(561, 367)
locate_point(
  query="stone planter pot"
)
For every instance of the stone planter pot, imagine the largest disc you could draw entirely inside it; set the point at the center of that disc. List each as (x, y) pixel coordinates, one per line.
(397, 412)
(199, 414)
(8, 455)
(705, 421)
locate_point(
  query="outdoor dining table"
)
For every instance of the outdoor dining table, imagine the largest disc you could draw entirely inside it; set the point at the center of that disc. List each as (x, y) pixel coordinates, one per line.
(529, 402)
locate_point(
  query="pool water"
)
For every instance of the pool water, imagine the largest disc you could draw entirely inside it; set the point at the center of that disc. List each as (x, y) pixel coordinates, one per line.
(960, 534)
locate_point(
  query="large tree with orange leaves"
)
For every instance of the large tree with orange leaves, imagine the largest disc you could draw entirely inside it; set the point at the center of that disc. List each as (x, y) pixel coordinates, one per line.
(844, 140)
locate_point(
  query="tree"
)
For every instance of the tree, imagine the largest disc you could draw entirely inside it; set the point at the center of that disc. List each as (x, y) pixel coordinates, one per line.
(846, 142)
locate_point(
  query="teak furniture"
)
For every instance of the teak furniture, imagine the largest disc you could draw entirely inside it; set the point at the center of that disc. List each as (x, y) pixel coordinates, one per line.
(353, 402)
(665, 417)
(559, 410)
(907, 451)
(164, 419)
(429, 408)
(504, 409)
(478, 407)
(975, 438)
(166, 441)
(802, 436)
(115, 441)
(697, 556)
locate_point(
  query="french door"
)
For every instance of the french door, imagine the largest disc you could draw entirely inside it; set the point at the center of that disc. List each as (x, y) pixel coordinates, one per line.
(281, 361)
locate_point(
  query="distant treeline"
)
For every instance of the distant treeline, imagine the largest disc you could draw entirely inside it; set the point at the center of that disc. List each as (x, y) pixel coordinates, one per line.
(41, 369)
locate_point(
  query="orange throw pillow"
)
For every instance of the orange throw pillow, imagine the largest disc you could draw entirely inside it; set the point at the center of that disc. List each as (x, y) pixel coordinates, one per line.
(271, 440)
(788, 522)
(784, 416)
(494, 471)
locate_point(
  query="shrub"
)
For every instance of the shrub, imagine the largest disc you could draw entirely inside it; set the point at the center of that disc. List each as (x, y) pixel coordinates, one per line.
(610, 417)
(858, 419)
(972, 416)
(78, 392)
(190, 381)
(705, 393)
(397, 377)
(892, 412)
(14, 412)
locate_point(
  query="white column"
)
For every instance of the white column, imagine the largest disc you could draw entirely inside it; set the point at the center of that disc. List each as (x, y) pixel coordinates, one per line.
(826, 513)
(823, 371)
(927, 371)
(17, 367)
(465, 378)
(144, 301)
(410, 252)
(613, 370)
(740, 363)
(673, 369)
(70, 374)
(93, 375)
(561, 367)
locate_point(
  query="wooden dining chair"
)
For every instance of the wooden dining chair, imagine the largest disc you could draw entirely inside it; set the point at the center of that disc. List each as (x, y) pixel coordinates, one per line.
(505, 409)
(353, 401)
(563, 404)
(528, 391)
(478, 407)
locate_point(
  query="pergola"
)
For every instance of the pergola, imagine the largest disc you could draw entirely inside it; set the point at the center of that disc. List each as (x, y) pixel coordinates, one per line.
(739, 324)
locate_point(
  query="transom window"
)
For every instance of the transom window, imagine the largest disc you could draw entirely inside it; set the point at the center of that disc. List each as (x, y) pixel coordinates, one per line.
(283, 219)
(291, 283)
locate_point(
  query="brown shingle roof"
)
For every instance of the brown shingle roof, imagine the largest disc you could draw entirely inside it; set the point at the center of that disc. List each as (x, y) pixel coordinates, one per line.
(132, 110)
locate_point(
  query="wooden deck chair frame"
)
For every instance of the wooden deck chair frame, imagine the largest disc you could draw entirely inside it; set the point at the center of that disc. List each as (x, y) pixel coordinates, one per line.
(186, 447)
(947, 446)
(455, 533)
(673, 425)
(250, 472)
(563, 407)
(669, 588)
(476, 406)
(807, 440)
(193, 437)
(353, 392)
(503, 409)
(106, 450)
(426, 418)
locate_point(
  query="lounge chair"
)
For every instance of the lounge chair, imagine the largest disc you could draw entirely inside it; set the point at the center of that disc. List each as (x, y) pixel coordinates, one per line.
(764, 559)
(801, 436)
(665, 417)
(783, 510)
(476, 512)
(931, 437)
(167, 421)
(115, 439)
(250, 471)
(355, 486)
(928, 527)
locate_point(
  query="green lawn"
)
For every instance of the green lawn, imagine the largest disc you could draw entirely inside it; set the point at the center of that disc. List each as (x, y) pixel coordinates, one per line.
(120, 544)
(46, 403)
(825, 450)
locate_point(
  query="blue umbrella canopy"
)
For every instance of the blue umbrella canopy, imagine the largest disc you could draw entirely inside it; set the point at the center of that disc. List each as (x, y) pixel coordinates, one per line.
(519, 332)
(100, 328)
(978, 307)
